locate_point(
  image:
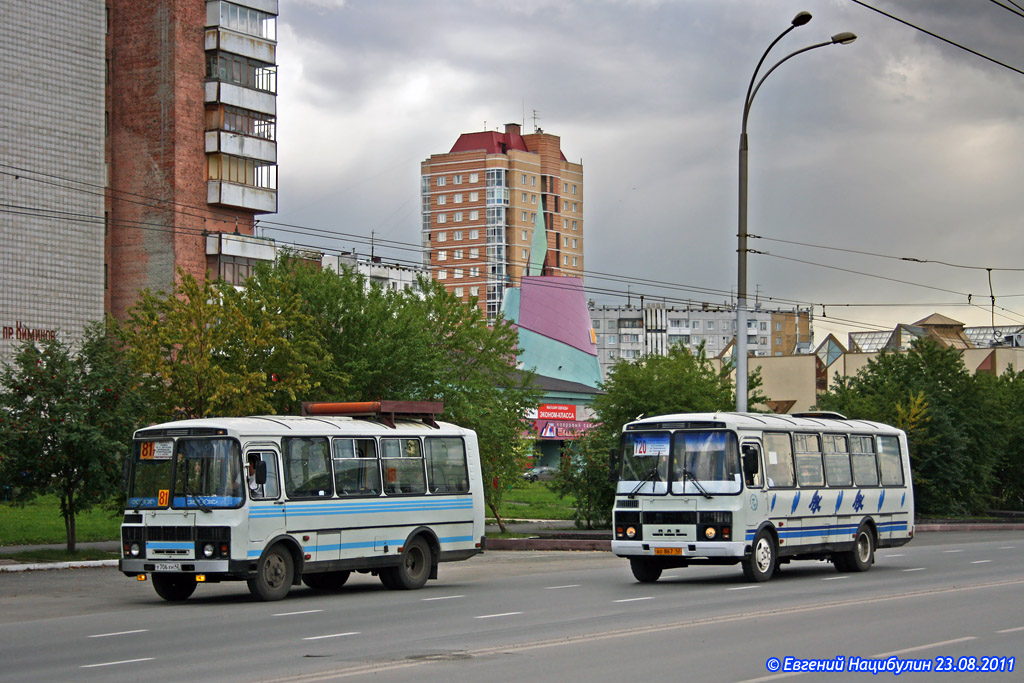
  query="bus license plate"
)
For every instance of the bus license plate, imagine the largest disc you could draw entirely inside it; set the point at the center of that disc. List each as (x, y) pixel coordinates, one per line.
(168, 567)
(668, 551)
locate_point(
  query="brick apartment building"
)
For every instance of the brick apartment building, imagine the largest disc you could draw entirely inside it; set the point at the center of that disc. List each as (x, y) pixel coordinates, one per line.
(498, 206)
(133, 130)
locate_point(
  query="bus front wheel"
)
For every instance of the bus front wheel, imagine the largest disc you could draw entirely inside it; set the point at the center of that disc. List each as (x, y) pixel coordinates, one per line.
(274, 575)
(760, 564)
(644, 570)
(174, 587)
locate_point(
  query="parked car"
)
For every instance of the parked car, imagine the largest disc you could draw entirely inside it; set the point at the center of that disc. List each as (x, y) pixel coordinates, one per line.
(542, 473)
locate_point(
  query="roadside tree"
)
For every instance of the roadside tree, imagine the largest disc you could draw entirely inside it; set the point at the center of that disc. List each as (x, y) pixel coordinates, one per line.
(66, 421)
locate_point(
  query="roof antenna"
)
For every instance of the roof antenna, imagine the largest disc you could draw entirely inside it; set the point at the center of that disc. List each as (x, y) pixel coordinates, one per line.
(536, 118)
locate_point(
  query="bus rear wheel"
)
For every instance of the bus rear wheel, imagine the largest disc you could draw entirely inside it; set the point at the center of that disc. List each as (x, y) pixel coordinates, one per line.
(326, 581)
(274, 575)
(644, 570)
(414, 569)
(760, 564)
(861, 556)
(174, 587)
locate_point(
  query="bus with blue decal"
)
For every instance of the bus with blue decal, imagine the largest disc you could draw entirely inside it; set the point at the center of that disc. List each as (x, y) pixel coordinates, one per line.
(377, 487)
(759, 490)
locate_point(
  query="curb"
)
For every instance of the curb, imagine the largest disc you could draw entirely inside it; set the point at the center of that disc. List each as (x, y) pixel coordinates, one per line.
(6, 568)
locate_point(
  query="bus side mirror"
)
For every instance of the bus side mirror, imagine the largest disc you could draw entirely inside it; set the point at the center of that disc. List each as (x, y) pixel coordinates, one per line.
(261, 472)
(613, 465)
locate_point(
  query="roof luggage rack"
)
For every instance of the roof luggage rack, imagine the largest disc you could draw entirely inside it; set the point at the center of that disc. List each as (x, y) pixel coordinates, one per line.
(821, 414)
(384, 411)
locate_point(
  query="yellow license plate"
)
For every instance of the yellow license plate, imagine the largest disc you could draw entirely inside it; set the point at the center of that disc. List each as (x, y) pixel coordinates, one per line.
(668, 551)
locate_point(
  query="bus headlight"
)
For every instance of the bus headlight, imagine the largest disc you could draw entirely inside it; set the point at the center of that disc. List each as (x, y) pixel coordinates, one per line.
(630, 532)
(134, 550)
(208, 550)
(709, 532)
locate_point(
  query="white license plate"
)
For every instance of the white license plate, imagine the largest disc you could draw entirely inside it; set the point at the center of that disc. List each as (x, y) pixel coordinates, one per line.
(168, 567)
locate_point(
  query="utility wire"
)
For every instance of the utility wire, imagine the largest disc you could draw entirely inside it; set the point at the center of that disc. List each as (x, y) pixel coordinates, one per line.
(938, 37)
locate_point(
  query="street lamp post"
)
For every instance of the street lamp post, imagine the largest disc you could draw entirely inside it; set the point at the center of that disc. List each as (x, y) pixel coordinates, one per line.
(844, 38)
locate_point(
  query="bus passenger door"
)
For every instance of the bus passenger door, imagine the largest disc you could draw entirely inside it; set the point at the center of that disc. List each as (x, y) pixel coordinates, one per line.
(267, 514)
(755, 508)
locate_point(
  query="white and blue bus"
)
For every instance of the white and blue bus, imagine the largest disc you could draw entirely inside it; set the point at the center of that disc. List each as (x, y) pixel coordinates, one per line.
(759, 490)
(378, 487)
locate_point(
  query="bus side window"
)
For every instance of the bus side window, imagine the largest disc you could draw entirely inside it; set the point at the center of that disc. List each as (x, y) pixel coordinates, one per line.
(779, 467)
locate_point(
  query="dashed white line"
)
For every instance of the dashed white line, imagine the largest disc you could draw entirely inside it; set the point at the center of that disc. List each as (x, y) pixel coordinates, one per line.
(568, 585)
(492, 616)
(915, 569)
(981, 561)
(443, 597)
(649, 597)
(924, 647)
(1007, 547)
(834, 578)
(333, 635)
(952, 551)
(119, 633)
(123, 661)
(291, 614)
(893, 555)
(741, 588)
(1011, 630)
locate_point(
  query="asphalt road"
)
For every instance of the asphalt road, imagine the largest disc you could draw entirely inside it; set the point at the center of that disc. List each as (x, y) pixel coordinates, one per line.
(524, 616)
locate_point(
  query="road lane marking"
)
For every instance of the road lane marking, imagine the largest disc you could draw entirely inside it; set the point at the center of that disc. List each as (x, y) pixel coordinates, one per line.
(492, 616)
(362, 669)
(119, 633)
(568, 585)
(915, 569)
(980, 561)
(292, 614)
(923, 647)
(1007, 547)
(741, 588)
(893, 555)
(443, 597)
(333, 635)
(1011, 630)
(123, 661)
(649, 597)
(952, 551)
(834, 578)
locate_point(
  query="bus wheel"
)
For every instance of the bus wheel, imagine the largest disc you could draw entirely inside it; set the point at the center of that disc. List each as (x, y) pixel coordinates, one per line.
(644, 570)
(414, 569)
(760, 565)
(174, 587)
(326, 581)
(273, 575)
(861, 556)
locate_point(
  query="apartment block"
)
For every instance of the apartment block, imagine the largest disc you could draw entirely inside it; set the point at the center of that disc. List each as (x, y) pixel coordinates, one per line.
(500, 206)
(191, 111)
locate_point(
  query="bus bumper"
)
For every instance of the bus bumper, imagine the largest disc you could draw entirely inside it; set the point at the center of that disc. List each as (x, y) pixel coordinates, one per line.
(700, 549)
(134, 567)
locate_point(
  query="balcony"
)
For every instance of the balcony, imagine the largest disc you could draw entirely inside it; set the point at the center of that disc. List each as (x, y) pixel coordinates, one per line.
(238, 196)
(238, 96)
(241, 146)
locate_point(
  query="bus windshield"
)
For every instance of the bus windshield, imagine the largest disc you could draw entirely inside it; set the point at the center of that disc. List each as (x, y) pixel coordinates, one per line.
(705, 463)
(203, 474)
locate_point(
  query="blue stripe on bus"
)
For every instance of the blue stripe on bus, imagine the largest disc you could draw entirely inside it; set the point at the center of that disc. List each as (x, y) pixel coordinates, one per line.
(831, 530)
(305, 510)
(365, 544)
(169, 545)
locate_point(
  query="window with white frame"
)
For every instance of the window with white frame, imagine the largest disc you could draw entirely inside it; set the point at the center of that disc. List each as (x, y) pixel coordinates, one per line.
(474, 272)
(457, 235)
(442, 255)
(474, 196)
(442, 200)
(474, 177)
(474, 215)
(442, 275)
(457, 254)
(442, 236)
(457, 217)
(442, 218)
(457, 273)
(474, 291)
(458, 292)
(457, 198)
(440, 181)
(457, 179)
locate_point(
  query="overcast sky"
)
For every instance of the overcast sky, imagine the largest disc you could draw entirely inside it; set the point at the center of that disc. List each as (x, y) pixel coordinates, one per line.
(898, 145)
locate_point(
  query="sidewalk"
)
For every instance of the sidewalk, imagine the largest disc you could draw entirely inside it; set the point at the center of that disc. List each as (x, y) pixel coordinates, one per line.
(9, 565)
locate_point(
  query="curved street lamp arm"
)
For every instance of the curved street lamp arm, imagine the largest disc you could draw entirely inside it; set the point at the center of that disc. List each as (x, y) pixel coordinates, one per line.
(753, 93)
(753, 76)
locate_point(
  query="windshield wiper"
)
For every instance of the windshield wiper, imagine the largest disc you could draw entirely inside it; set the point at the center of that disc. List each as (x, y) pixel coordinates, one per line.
(199, 504)
(687, 474)
(653, 473)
